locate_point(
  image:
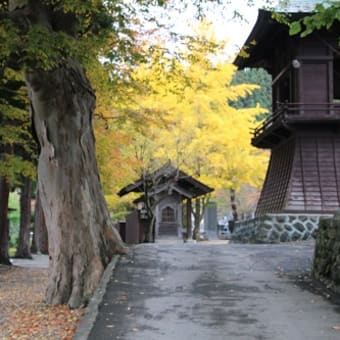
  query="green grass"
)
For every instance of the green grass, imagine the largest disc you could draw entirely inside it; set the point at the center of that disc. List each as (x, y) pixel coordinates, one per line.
(14, 217)
(14, 204)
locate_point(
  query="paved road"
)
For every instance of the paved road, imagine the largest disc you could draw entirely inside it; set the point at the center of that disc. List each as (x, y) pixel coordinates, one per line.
(214, 291)
(37, 261)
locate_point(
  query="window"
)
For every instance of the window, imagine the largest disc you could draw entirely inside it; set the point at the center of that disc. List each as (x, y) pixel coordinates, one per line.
(168, 215)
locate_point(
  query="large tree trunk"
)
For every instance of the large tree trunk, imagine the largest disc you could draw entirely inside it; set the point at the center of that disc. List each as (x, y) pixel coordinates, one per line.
(40, 239)
(4, 227)
(23, 247)
(81, 235)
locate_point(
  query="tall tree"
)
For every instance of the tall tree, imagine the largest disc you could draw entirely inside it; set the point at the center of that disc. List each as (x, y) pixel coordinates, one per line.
(14, 137)
(4, 226)
(261, 95)
(24, 245)
(82, 239)
(202, 133)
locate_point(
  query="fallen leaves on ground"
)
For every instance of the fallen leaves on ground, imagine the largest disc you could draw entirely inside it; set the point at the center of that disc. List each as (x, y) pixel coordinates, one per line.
(23, 313)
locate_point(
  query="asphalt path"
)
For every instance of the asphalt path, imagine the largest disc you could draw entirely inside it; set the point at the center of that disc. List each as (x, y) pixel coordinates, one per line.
(37, 261)
(213, 291)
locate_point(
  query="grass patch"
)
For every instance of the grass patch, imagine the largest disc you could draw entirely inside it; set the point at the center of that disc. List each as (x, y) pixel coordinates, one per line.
(14, 217)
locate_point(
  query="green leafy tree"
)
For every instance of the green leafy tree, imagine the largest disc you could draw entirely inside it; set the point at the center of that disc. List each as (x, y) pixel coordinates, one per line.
(325, 15)
(16, 146)
(261, 96)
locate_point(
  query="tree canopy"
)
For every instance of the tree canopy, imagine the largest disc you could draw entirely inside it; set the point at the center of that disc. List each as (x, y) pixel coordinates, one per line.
(16, 144)
(326, 13)
(261, 95)
(201, 133)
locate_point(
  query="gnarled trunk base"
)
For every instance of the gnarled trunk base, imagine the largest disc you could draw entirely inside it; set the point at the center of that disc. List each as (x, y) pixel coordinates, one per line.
(81, 236)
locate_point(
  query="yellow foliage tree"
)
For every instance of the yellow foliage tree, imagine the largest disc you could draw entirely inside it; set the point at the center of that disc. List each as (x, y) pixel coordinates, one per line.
(113, 128)
(178, 109)
(119, 121)
(202, 134)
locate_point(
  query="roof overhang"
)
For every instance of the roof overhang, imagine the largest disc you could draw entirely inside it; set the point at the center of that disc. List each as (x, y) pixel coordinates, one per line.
(264, 37)
(169, 178)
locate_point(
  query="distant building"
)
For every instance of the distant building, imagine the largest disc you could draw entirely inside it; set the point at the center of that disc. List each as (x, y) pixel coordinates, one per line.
(303, 131)
(164, 192)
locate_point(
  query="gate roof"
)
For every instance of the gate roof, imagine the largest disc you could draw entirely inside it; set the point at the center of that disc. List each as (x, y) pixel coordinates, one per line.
(168, 178)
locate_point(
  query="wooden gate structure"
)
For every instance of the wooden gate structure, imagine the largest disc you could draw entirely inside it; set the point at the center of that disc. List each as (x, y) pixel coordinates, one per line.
(164, 191)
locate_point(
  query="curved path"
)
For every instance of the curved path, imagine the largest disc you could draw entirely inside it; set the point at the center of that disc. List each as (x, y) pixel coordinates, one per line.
(214, 291)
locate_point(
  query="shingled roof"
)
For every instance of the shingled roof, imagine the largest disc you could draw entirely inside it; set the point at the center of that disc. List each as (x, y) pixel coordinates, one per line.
(263, 38)
(168, 178)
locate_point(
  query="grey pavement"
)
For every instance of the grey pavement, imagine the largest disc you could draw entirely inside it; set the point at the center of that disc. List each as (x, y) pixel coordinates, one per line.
(213, 291)
(37, 261)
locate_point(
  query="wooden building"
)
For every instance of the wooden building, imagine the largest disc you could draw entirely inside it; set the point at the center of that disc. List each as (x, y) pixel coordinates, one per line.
(164, 192)
(303, 131)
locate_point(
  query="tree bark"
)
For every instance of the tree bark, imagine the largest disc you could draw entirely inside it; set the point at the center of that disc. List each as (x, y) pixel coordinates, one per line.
(151, 230)
(189, 222)
(34, 249)
(40, 230)
(23, 247)
(81, 235)
(197, 219)
(4, 224)
(233, 205)
(200, 205)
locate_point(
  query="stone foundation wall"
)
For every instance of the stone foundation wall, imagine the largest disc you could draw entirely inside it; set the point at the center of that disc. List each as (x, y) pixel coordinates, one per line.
(326, 266)
(275, 228)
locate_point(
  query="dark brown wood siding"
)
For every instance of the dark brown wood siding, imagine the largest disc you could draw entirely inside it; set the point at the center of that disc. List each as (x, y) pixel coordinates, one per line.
(303, 175)
(314, 83)
(274, 191)
(314, 185)
(315, 72)
(304, 131)
(313, 46)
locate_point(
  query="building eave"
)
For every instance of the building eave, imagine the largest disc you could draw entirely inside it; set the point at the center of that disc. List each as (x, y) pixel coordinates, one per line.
(184, 184)
(263, 38)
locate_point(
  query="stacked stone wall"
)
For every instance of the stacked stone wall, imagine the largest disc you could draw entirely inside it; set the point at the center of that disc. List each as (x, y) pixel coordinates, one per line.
(275, 228)
(326, 266)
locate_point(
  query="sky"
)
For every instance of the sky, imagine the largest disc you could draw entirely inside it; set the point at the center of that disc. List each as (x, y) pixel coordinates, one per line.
(236, 30)
(227, 27)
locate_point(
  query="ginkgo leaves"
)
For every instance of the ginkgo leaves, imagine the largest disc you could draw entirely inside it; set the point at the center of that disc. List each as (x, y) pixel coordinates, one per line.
(203, 135)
